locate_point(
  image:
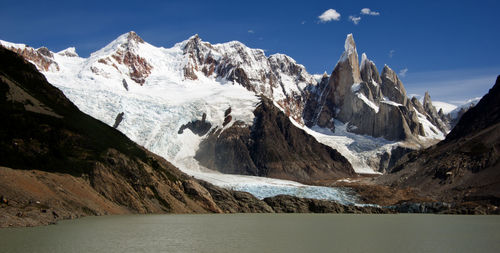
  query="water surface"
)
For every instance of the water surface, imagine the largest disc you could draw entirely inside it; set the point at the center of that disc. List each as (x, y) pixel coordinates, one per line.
(260, 233)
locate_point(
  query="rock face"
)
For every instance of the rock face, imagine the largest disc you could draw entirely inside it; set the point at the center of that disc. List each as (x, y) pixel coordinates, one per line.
(271, 147)
(126, 55)
(199, 127)
(42, 57)
(277, 77)
(463, 167)
(432, 115)
(371, 104)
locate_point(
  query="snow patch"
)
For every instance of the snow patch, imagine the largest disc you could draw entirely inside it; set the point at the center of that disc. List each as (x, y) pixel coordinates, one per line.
(368, 102)
(431, 132)
(389, 102)
(467, 105)
(446, 107)
(359, 150)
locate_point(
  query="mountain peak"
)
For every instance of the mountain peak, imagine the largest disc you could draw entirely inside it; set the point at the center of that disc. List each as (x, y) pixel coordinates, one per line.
(69, 52)
(132, 36)
(126, 40)
(364, 58)
(349, 44)
(387, 69)
(349, 49)
(194, 37)
(427, 97)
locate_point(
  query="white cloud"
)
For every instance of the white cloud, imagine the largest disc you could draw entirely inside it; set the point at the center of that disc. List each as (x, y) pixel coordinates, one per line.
(355, 19)
(303, 22)
(329, 15)
(367, 11)
(251, 31)
(391, 53)
(402, 73)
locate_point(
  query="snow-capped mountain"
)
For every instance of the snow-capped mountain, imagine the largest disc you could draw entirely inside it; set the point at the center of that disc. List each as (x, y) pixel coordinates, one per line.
(371, 104)
(444, 106)
(149, 93)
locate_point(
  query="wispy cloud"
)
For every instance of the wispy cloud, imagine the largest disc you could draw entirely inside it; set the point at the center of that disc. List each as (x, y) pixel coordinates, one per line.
(402, 73)
(355, 19)
(367, 11)
(251, 31)
(391, 53)
(329, 15)
(303, 22)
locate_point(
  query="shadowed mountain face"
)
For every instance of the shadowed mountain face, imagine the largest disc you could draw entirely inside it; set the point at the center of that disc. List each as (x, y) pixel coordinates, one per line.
(466, 165)
(272, 147)
(57, 162)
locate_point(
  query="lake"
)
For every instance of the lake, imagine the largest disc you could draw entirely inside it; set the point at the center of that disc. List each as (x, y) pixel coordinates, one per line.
(260, 233)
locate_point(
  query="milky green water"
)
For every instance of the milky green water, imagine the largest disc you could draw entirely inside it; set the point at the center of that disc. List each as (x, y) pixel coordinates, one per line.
(260, 233)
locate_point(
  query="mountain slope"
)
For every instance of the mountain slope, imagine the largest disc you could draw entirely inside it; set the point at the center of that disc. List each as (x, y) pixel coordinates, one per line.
(149, 93)
(463, 167)
(272, 147)
(57, 162)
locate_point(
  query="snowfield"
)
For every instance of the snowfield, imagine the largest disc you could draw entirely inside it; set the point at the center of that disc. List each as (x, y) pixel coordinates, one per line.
(446, 107)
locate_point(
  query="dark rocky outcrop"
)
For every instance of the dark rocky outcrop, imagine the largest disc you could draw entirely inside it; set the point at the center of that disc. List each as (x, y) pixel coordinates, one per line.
(290, 204)
(199, 127)
(118, 119)
(125, 84)
(271, 147)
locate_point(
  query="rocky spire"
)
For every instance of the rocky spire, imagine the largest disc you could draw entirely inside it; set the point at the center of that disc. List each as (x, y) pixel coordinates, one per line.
(432, 114)
(392, 87)
(369, 71)
(370, 104)
(350, 55)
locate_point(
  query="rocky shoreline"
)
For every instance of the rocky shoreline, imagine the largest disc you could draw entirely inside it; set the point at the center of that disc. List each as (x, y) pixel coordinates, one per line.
(35, 213)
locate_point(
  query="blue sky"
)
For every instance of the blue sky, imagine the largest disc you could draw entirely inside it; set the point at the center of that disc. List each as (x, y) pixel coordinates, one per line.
(447, 47)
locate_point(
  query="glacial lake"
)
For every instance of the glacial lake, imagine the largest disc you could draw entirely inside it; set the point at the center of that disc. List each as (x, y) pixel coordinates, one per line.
(260, 233)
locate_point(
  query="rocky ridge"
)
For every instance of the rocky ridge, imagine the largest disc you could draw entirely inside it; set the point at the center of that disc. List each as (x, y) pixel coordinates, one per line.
(277, 77)
(129, 66)
(371, 104)
(272, 147)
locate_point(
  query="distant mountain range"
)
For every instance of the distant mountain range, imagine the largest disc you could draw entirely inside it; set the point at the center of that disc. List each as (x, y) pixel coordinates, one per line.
(158, 90)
